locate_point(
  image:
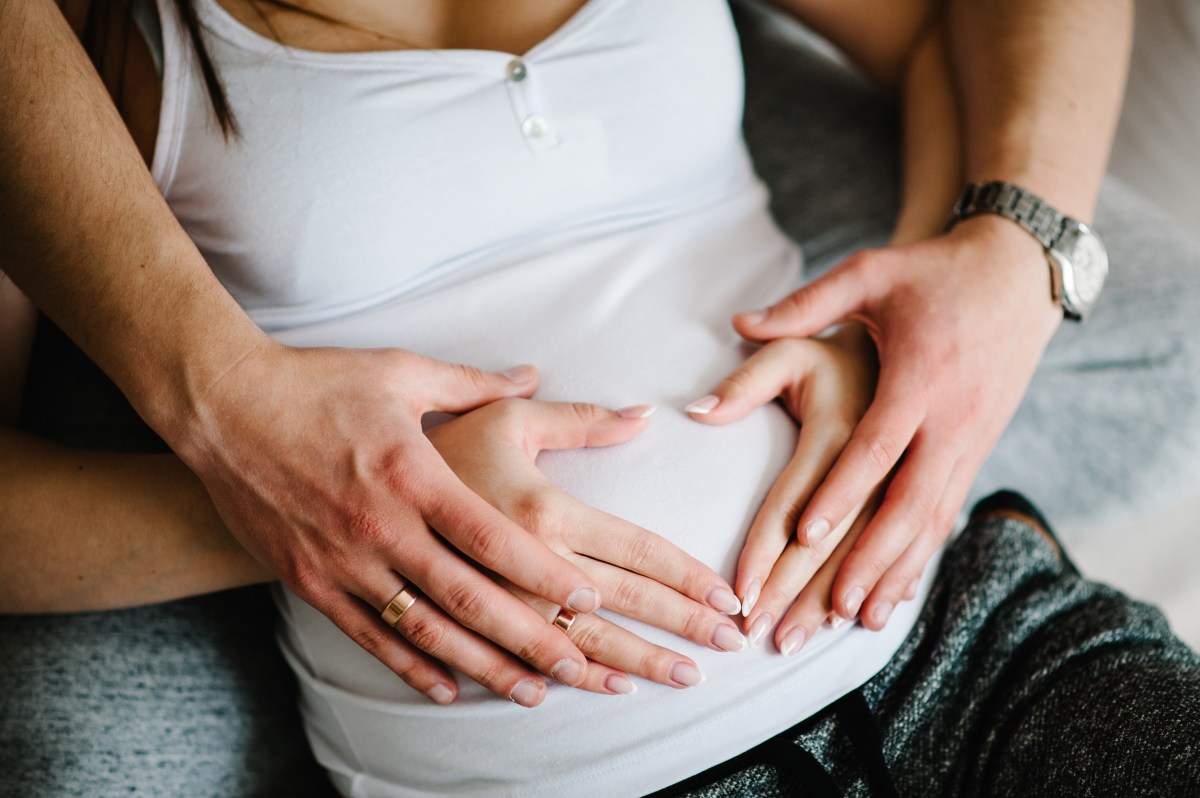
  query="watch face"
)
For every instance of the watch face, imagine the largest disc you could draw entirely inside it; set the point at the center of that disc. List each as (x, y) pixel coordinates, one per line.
(1088, 267)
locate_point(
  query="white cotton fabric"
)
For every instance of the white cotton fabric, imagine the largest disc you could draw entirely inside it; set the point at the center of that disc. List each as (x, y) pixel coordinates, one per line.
(396, 199)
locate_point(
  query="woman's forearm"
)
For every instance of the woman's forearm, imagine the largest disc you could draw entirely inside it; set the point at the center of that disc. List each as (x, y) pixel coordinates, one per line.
(932, 157)
(87, 236)
(84, 530)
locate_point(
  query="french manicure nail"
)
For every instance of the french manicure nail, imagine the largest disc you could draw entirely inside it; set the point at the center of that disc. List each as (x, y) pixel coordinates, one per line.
(637, 411)
(567, 671)
(686, 675)
(837, 622)
(910, 592)
(759, 629)
(728, 638)
(527, 693)
(520, 373)
(816, 530)
(723, 601)
(793, 641)
(881, 613)
(440, 694)
(584, 599)
(621, 685)
(704, 405)
(854, 600)
(752, 593)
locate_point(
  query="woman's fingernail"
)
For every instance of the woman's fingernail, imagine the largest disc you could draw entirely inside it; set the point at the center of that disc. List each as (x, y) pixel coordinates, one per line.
(520, 373)
(440, 694)
(881, 613)
(728, 638)
(854, 600)
(751, 597)
(584, 599)
(686, 675)
(704, 405)
(753, 316)
(621, 685)
(837, 622)
(527, 693)
(759, 629)
(637, 411)
(793, 641)
(910, 592)
(723, 601)
(816, 530)
(567, 671)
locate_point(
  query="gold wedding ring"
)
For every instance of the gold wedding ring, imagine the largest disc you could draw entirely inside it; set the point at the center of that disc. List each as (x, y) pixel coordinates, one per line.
(398, 606)
(564, 619)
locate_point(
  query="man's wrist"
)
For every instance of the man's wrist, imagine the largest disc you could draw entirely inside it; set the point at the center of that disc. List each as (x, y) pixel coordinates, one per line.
(1017, 251)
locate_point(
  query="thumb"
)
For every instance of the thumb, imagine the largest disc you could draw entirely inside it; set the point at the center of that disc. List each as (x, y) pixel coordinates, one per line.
(762, 377)
(457, 388)
(812, 308)
(567, 425)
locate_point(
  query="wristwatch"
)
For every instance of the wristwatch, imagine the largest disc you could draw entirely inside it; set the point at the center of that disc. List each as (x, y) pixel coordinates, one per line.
(1078, 260)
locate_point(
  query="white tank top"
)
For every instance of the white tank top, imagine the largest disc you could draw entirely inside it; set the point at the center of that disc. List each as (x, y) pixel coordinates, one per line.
(588, 207)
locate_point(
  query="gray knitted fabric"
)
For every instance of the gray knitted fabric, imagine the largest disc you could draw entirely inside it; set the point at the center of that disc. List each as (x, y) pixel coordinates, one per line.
(192, 698)
(1020, 678)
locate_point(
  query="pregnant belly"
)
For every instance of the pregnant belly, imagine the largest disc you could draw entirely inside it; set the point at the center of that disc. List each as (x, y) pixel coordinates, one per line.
(622, 319)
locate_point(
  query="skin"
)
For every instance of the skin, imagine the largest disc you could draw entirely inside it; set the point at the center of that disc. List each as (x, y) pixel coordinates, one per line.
(784, 584)
(961, 319)
(192, 372)
(196, 379)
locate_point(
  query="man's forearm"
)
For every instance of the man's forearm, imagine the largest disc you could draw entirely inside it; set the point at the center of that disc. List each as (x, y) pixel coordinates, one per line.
(88, 237)
(1040, 85)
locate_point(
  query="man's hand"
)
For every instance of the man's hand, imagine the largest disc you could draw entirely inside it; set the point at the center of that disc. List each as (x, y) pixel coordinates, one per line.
(317, 463)
(960, 322)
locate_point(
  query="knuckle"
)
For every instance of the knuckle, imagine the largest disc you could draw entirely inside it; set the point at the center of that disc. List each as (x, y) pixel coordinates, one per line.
(588, 638)
(470, 377)
(370, 639)
(696, 625)
(465, 603)
(537, 511)
(494, 674)
(535, 650)
(920, 511)
(654, 664)
(739, 383)
(881, 453)
(641, 552)
(585, 414)
(304, 581)
(368, 530)
(873, 564)
(482, 540)
(630, 595)
(427, 632)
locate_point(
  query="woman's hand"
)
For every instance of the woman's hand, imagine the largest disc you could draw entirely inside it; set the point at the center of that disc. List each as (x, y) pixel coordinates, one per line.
(641, 575)
(826, 384)
(960, 321)
(318, 464)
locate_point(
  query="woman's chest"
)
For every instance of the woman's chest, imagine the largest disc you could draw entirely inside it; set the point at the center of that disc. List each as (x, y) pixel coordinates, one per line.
(357, 177)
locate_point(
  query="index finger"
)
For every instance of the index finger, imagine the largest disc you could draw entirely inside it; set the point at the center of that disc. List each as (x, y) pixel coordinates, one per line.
(875, 447)
(486, 536)
(633, 548)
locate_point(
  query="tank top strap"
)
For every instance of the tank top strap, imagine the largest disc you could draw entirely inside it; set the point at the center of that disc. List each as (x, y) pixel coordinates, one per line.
(176, 58)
